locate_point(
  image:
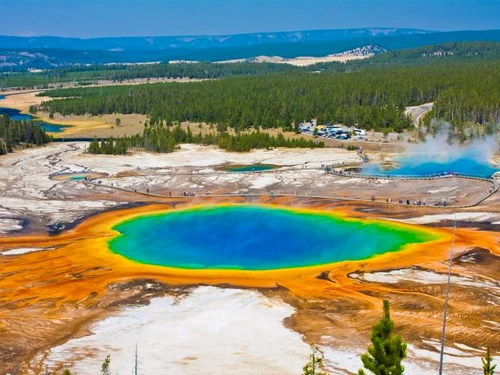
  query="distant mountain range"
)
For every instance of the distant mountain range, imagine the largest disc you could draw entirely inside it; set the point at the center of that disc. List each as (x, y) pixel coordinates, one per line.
(118, 44)
(22, 53)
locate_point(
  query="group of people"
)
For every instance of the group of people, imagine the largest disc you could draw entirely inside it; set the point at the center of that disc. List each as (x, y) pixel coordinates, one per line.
(408, 202)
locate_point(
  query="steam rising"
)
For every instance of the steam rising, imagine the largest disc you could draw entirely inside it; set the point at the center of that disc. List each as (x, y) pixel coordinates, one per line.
(438, 156)
(439, 149)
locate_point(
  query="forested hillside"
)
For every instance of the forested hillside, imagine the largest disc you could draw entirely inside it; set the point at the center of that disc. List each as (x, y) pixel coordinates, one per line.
(429, 55)
(89, 74)
(373, 98)
(17, 133)
(448, 53)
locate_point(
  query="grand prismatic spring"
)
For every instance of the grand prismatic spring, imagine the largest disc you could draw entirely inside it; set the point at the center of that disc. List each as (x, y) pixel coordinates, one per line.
(256, 238)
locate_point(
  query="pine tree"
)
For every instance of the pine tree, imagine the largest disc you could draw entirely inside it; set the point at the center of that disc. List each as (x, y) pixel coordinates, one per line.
(387, 350)
(488, 366)
(315, 364)
(105, 367)
(94, 147)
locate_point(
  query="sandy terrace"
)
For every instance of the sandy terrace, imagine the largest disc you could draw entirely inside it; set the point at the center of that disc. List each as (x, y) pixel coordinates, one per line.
(21, 100)
(303, 60)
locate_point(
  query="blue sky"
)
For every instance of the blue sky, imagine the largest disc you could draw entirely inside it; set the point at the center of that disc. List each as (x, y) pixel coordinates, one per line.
(93, 18)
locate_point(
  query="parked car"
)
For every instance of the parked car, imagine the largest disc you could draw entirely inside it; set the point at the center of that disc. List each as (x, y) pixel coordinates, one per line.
(359, 131)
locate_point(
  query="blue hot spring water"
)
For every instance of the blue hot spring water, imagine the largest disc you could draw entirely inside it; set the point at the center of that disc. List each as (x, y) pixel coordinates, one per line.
(256, 238)
(419, 165)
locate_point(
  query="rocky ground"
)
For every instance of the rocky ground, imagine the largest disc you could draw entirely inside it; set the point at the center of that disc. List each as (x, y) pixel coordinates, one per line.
(35, 195)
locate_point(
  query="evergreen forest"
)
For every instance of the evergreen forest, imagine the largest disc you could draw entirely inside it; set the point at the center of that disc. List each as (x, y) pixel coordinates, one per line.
(373, 98)
(20, 134)
(159, 138)
(85, 74)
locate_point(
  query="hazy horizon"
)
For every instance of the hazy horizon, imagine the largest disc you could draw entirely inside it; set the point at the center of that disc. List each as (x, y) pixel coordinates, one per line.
(231, 34)
(143, 18)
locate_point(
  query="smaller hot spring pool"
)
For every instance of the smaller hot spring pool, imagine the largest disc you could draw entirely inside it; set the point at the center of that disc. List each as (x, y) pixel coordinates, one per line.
(77, 176)
(251, 168)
